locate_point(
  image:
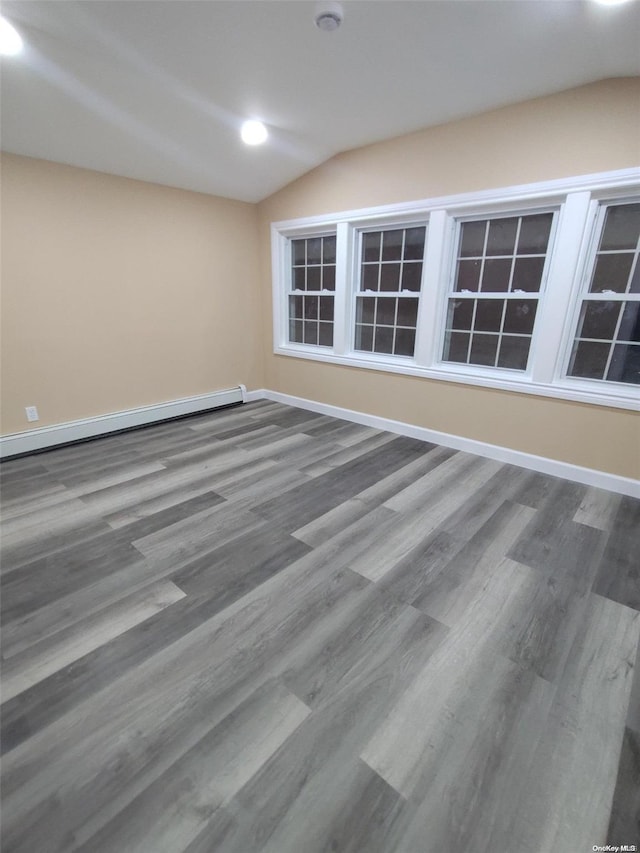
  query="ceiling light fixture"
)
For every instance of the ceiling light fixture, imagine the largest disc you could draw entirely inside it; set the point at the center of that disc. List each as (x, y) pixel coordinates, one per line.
(10, 40)
(611, 2)
(253, 132)
(328, 16)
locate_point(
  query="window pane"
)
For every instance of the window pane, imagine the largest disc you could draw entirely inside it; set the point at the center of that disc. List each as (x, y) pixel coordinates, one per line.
(295, 331)
(514, 352)
(472, 242)
(612, 273)
(314, 250)
(392, 245)
(622, 227)
(630, 325)
(483, 349)
(329, 250)
(325, 337)
(414, 244)
(495, 277)
(405, 342)
(310, 332)
(371, 246)
(407, 312)
(520, 316)
(390, 277)
(488, 315)
(310, 307)
(599, 320)
(326, 307)
(383, 340)
(370, 276)
(625, 364)
(386, 312)
(364, 338)
(299, 278)
(456, 346)
(589, 360)
(411, 276)
(468, 276)
(527, 274)
(298, 251)
(460, 313)
(295, 307)
(313, 278)
(313, 270)
(502, 236)
(534, 234)
(365, 310)
(329, 278)
(635, 278)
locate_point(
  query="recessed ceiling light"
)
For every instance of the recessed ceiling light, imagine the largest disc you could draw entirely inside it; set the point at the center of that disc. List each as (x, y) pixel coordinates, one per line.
(253, 132)
(10, 41)
(611, 2)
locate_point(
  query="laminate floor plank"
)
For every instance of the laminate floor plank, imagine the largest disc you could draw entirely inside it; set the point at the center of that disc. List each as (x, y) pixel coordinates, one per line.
(267, 630)
(232, 570)
(49, 578)
(466, 671)
(554, 543)
(172, 811)
(346, 454)
(598, 509)
(414, 526)
(624, 823)
(339, 517)
(38, 625)
(444, 575)
(53, 654)
(74, 526)
(118, 763)
(120, 506)
(299, 506)
(619, 571)
(573, 774)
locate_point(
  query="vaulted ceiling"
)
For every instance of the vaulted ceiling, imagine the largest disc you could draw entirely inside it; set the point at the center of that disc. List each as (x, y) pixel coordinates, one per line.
(158, 90)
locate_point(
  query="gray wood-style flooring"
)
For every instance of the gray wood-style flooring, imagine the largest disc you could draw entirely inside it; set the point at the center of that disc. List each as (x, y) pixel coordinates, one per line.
(263, 629)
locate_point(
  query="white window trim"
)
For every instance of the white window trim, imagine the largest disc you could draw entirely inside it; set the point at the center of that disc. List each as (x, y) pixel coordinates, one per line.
(576, 200)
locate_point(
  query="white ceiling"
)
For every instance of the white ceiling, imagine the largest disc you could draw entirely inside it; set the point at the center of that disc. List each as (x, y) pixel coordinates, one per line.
(158, 90)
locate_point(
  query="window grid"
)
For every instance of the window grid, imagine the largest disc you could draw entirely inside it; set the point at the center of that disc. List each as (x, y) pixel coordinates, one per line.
(380, 328)
(494, 345)
(608, 354)
(311, 300)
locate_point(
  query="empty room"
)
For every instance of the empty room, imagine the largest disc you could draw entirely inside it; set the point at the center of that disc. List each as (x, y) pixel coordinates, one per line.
(320, 438)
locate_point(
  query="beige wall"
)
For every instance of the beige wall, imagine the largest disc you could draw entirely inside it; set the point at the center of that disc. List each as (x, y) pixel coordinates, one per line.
(590, 129)
(118, 293)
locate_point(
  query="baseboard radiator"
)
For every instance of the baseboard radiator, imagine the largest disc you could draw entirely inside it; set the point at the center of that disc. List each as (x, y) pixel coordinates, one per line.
(42, 438)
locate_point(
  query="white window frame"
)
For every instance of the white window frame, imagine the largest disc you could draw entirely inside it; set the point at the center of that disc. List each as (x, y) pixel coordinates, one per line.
(595, 224)
(540, 296)
(354, 292)
(574, 201)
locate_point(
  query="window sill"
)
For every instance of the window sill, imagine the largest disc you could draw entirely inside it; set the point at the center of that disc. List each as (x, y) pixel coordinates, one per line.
(574, 390)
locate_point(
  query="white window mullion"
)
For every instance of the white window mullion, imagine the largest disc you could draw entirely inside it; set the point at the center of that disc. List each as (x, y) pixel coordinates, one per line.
(344, 278)
(431, 301)
(554, 308)
(281, 272)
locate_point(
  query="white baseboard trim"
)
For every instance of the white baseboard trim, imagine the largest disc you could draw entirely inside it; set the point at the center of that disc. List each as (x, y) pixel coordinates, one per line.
(586, 476)
(50, 436)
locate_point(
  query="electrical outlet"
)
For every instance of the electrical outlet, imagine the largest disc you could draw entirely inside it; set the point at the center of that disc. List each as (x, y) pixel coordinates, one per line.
(32, 413)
